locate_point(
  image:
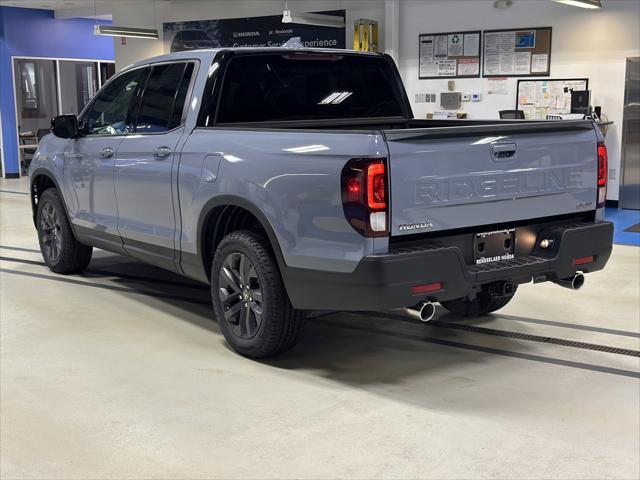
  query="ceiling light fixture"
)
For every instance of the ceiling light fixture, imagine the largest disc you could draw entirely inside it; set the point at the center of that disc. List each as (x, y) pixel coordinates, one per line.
(312, 19)
(317, 19)
(131, 32)
(591, 4)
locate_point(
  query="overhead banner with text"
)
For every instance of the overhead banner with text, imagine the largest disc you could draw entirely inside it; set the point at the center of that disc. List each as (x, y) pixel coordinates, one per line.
(268, 31)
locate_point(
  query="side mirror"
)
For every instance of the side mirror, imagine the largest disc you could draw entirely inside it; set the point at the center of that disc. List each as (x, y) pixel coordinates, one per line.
(65, 126)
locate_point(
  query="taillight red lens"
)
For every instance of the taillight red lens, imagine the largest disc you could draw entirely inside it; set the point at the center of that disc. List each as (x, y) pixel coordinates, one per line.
(376, 186)
(353, 187)
(364, 196)
(603, 161)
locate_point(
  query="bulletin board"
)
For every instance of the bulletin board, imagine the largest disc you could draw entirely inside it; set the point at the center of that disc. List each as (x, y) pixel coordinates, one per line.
(539, 98)
(522, 52)
(449, 55)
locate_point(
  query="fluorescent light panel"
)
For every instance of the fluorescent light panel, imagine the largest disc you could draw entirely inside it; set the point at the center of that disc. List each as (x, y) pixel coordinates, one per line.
(592, 4)
(132, 32)
(312, 19)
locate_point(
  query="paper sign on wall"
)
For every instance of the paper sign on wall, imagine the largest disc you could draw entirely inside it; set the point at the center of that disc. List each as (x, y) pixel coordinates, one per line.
(539, 98)
(471, 45)
(449, 55)
(468, 67)
(497, 86)
(455, 45)
(539, 63)
(523, 52)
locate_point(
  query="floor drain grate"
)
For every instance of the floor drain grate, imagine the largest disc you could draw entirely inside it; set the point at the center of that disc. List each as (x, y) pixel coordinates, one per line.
(519, 336)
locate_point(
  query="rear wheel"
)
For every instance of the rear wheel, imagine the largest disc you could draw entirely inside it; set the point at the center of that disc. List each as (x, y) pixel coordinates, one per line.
(60, 249)
(249, 299)
(483, 304)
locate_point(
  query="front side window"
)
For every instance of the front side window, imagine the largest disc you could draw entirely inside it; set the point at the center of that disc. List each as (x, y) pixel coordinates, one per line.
(164, 97)
(111, 112)
(308, 86)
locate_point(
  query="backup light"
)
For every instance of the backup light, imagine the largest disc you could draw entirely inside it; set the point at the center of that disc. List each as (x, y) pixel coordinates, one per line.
(131, 32)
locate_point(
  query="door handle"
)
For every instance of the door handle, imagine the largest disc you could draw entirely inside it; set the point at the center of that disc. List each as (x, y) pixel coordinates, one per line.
(106, 152)
(503, 151)
(162, 152)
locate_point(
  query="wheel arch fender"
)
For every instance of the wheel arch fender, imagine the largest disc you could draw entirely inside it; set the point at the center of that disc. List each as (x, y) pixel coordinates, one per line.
(33, 193)
(240, 202)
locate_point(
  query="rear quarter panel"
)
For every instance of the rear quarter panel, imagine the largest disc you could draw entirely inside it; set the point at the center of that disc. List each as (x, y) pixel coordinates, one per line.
(291, 176)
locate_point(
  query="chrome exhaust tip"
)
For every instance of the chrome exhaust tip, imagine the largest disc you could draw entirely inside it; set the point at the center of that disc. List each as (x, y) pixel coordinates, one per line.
(423, 311)
(573, 283)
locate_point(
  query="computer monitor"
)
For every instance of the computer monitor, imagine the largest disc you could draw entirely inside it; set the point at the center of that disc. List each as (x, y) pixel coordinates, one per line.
(580, 101)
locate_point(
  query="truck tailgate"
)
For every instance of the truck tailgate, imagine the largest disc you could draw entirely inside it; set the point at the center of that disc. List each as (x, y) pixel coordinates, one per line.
(445, 178)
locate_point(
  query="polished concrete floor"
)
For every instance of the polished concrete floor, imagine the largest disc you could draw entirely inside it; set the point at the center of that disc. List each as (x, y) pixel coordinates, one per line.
(122, 373)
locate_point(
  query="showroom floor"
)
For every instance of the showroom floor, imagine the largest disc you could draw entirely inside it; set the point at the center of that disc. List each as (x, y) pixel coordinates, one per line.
(122, 373)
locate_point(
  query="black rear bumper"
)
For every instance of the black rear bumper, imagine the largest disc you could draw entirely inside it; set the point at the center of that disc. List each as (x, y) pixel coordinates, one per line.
(383, 282)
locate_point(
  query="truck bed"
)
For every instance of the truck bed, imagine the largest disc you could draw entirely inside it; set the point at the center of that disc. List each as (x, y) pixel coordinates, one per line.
(450, 174)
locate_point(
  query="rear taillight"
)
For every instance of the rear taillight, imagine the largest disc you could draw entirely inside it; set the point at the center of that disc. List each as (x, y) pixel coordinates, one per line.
(377, 186)
(365, 194)
(603, 165)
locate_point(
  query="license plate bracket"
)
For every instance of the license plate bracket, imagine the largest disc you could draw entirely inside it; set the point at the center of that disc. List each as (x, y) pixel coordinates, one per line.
(494, 246)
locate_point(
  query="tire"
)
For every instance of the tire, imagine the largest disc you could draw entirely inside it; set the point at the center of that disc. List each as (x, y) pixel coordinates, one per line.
(483, 304)
(61, 251)
(266, 324)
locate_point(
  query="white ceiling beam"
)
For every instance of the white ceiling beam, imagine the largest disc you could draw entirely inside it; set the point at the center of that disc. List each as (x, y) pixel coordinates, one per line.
(103, 13)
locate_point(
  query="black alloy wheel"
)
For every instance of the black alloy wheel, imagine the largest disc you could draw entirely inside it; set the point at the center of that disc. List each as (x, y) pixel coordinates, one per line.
(250, 301)
(61, 251)
(52, 238)
(240, 294)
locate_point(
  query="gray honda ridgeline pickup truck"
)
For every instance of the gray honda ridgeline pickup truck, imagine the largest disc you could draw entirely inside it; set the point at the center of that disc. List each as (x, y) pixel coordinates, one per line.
(296, 179)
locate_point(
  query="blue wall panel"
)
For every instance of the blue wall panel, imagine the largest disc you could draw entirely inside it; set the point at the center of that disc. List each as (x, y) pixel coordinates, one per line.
(36, 33)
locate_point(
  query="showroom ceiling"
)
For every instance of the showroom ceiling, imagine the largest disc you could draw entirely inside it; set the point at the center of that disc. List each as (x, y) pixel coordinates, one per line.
(73, 8)
(61, 4)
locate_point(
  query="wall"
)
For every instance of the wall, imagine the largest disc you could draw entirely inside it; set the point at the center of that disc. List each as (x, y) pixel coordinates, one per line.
(152, 15)
(35, 33)
(586, 43)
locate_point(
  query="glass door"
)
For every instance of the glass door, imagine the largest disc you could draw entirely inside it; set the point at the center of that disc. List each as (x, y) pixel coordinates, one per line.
(78, 84)
(36, 94)
(630, 187)
(107, 70)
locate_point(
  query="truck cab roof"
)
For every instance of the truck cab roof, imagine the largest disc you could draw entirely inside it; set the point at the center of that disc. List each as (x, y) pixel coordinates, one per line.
(206, 54)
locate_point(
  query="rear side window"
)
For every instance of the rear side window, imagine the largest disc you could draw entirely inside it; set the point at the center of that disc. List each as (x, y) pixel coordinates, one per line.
(308, 86)
(164, 96)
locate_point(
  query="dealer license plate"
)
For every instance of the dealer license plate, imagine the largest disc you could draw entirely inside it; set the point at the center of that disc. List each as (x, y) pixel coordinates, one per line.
(494, 246)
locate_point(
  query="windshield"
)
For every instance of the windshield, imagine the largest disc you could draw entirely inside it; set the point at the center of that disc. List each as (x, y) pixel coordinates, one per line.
(308, 86)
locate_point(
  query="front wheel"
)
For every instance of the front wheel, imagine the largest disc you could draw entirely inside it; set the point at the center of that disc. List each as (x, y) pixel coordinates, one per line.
(483, 304)
(249, 300)
(61, 251)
